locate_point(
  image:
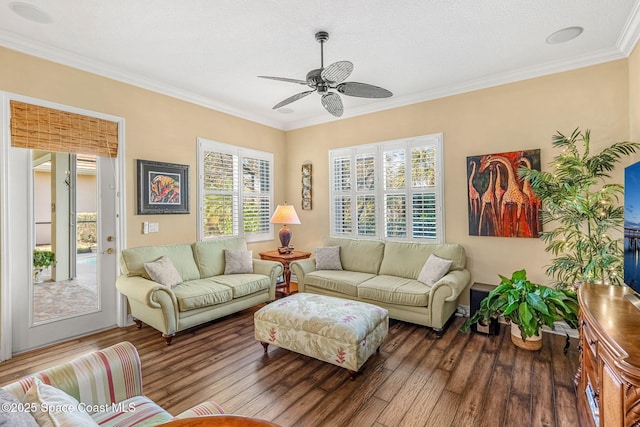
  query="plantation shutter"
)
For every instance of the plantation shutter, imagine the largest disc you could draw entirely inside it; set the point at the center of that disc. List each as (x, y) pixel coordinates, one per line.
(236, 192)
(388, 190)
(342, 222)
(256, 195)
(41, 128)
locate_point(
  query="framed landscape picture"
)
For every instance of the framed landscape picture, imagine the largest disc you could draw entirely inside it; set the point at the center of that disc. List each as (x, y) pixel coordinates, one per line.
(163, 188)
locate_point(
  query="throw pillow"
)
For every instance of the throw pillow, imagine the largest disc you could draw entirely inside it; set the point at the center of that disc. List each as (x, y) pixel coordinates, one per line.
(163, 271)
(237, 261)
(328, 258)
(11, 414)
(53, 407)
(434, 269)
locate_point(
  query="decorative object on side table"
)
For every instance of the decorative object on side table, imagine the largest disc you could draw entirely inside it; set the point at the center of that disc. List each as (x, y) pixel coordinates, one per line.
(285, 259)
(528, 306)
(163, 188)
(583, 209)
(306, 185)
(285, 214)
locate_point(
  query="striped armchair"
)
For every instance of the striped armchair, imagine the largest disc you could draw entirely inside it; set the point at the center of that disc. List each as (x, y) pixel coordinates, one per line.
(108, 385)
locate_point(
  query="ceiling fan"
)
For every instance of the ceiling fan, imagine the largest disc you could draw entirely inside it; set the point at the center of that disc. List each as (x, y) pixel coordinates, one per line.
(322, 80)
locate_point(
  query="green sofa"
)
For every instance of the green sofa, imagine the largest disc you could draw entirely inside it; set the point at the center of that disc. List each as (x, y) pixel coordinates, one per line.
(204, 294)
(385, 274)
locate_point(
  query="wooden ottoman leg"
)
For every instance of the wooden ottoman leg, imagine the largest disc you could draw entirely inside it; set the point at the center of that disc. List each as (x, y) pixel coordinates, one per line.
(138, 323)
(265, 345)
(352, 374)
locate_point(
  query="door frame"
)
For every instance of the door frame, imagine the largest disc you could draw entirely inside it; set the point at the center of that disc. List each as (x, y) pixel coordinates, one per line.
(5, 143)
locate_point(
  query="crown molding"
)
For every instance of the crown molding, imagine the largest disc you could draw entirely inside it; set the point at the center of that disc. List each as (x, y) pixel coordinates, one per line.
(64, 57)
(631, 33)
(471, 85)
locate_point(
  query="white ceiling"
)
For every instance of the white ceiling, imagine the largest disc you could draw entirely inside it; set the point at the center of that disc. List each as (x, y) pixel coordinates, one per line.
(210, 52)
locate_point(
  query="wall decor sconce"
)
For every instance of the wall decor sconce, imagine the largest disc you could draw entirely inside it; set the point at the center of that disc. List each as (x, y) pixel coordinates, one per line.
(306, 186)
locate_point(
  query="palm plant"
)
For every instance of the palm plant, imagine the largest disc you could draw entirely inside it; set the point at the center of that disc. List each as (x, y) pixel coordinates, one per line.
(583, 208)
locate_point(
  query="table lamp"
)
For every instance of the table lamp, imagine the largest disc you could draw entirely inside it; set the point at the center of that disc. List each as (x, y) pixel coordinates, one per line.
(285, 214)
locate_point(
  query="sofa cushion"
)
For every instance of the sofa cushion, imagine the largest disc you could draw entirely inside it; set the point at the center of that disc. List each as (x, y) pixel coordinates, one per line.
(395, 290)
(237, 261)
(163, 271)
(406, 259)
(342, 281)
(180, 254)
(209, 255)
(328, 258)
(201, 293)
(434, 269)
(364, 256)
(9, 417)
(244, 284)
(136, 411)
(53, 407)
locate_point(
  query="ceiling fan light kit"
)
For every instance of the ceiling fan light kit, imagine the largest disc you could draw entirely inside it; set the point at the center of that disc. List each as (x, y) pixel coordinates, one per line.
(324, 80)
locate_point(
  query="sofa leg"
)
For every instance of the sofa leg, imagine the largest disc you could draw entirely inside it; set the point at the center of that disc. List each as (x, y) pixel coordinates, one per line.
(439, 332)
(352, 374)
(265, 345)
(168, 338)
(138, 323)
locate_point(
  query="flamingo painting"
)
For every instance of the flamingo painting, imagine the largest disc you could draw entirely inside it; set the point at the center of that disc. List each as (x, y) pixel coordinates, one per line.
(507, 205)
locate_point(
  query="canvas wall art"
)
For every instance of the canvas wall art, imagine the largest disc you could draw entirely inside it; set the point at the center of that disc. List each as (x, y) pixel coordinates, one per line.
(500, 203)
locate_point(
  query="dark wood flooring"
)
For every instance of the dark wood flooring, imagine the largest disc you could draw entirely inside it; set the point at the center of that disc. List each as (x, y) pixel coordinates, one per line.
(415, 380)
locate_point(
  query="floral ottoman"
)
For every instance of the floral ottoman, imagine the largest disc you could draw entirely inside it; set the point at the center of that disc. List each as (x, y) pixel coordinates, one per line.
(334, 330)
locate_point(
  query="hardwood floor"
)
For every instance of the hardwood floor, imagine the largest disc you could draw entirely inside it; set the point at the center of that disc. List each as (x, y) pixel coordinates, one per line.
(415, 380)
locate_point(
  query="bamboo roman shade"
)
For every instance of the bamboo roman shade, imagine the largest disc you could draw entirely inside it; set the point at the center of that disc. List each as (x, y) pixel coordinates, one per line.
(47, 129)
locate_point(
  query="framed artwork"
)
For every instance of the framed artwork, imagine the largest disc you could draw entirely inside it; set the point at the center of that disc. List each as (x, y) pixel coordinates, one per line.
(499, 202)
(306, 186)
(163, 188)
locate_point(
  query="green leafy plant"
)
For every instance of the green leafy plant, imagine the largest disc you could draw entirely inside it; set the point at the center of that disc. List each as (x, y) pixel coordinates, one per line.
(43, 259)
(583, 210)
(528, 305)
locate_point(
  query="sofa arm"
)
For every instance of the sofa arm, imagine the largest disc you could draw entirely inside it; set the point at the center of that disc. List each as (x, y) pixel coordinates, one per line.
(102, 377)
(143, 294)
(301, 268)
(273, 269)
(451, 285)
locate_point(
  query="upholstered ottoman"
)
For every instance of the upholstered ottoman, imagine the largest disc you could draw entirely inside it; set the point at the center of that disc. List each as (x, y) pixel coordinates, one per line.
(334, 330)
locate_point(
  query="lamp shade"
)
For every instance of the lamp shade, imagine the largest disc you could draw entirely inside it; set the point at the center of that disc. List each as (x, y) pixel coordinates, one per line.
(285, 214)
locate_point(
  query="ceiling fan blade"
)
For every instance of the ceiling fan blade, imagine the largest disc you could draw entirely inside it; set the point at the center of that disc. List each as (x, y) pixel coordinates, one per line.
(332, 103)
(285, 79)
(363, 90)
(290, 99)
(337, 72)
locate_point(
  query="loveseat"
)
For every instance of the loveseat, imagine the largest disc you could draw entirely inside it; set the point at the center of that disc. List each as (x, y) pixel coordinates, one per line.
(203, 281)
(101, 388)
(386, 274)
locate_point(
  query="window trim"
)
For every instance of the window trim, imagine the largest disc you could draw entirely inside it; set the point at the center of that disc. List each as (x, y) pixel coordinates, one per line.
(242, 152)
(378, 149)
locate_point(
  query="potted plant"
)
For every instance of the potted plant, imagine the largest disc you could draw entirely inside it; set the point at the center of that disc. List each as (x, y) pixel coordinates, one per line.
(583, 210)
(528, 306)
(42, 260)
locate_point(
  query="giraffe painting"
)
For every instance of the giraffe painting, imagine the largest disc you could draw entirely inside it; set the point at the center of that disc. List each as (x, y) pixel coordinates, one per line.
(508, 207)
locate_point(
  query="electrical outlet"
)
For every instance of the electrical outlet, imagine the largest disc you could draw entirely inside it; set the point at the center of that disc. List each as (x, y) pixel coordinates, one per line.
(154, 227)
(145, 227)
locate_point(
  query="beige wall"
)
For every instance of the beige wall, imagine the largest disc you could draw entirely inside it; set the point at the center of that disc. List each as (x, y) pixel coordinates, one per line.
(516, 116)
(511, 117)
(158, 128)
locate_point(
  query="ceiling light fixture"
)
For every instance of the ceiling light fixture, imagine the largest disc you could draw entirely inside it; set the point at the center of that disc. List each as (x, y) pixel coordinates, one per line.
(30, 12)
(564, 35)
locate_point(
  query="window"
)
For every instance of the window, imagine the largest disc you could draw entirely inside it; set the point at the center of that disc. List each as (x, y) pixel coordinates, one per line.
(236, 192)
(388, 190)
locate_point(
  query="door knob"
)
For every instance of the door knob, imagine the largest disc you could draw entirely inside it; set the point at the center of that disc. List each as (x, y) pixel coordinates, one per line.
(109, 238)
(110, 251)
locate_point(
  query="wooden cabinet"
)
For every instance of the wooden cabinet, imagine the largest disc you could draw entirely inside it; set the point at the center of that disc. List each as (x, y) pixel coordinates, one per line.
(608, 379)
